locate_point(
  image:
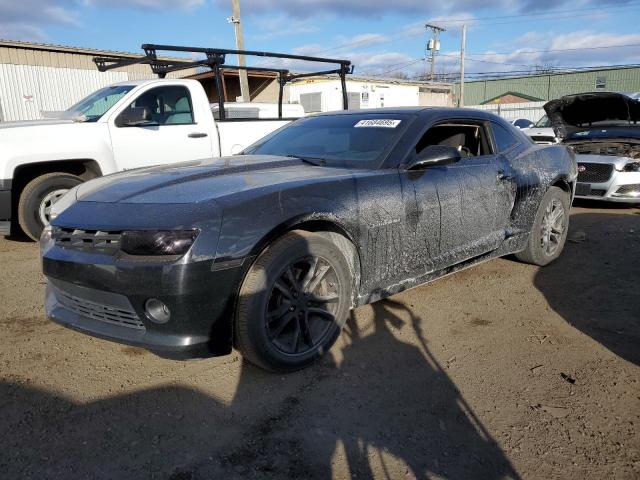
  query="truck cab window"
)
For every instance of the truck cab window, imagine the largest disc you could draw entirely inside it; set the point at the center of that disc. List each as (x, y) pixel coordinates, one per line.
(168, 105)
(470, 140)
(98, 103)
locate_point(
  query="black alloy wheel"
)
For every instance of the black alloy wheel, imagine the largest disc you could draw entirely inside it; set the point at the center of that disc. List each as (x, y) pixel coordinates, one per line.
(549, 230)
(302, 305)
(293, 301)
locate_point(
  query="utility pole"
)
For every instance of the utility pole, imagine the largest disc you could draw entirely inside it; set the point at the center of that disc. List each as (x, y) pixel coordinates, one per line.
(434, 45)
(242, 74)
(462, 47)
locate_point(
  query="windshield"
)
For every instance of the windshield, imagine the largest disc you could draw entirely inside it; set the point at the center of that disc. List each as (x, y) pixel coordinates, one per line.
(98, 103)
(355, 140)
(543, 122)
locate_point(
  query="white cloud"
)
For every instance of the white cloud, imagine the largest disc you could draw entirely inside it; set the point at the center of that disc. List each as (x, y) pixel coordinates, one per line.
(29, 19)
(185, 5)
(371, 8)
(26, 19)
(280, 26)
(21, 31)
(366, 8)
(580, 48)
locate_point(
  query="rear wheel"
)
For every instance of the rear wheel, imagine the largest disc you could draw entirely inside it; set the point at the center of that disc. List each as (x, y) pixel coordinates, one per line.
(293, 302)
(37, 198)
(550, 228)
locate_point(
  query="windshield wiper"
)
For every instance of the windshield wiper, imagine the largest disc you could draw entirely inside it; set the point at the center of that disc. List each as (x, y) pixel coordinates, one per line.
(318, 162)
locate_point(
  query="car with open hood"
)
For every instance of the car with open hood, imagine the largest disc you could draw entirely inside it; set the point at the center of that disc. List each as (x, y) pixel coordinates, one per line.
(268, 250)
(603, 130)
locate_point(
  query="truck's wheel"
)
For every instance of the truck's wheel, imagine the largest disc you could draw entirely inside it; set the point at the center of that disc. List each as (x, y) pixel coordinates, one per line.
(293, 302)
(37, 198)
(550, 227)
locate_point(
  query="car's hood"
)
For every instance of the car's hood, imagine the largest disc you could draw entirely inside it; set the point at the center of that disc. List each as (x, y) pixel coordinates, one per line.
(584, 111)
(34, 123)
(202, 180)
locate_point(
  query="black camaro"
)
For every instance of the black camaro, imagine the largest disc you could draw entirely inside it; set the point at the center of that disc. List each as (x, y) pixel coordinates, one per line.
(269, 250)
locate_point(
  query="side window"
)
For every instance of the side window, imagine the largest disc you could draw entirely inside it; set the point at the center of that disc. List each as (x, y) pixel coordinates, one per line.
(504, 139)
(470, 140)
(169, 105)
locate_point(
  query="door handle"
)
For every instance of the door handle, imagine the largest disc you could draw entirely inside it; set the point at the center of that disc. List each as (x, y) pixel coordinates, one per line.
(503, 176)
(197, 135)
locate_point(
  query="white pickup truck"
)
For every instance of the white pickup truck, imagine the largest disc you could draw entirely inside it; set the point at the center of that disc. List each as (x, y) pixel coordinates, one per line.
(120, 127)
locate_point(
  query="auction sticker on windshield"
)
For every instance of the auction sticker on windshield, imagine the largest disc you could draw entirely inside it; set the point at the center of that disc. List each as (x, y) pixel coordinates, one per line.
(377, 123)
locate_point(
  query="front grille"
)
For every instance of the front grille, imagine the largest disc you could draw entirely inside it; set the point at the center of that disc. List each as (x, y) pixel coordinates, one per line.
(104, 313)
(630, 190)
(594, 172)
(598, 193)
(88, 239)
(542, 139)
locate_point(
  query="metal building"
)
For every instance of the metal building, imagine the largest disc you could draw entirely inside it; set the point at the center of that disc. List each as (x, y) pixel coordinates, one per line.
(540, 88)
(323, 94)
(36, 78)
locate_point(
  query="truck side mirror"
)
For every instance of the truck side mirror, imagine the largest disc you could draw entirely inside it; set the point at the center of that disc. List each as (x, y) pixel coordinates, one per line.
(434, 155)
(134, 117)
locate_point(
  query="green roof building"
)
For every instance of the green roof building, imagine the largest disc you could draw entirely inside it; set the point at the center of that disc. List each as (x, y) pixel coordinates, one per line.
(543, 87)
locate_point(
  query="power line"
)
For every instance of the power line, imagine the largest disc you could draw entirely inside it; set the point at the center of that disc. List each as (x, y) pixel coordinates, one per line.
(540, 80)
(415, 32)
(526, 52)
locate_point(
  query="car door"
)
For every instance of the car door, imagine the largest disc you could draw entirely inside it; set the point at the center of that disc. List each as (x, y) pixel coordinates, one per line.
(171, 135)
(455, 210)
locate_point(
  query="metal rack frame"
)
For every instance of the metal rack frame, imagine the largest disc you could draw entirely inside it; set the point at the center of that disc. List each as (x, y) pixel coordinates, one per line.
(216, 60)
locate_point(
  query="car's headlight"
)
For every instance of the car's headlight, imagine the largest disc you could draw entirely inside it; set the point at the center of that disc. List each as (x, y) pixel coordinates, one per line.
(632, 167)
(163, 242)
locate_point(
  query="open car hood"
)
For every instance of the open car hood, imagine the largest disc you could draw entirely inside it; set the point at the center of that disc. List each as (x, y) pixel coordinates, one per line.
(586, 111)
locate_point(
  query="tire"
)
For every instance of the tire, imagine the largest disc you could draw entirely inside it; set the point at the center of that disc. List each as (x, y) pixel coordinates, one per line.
(45, 188)
(286, 317)
(547, 237)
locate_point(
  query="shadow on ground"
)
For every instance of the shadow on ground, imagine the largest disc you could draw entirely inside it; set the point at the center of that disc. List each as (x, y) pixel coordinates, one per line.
(595, 284)
(386, 410)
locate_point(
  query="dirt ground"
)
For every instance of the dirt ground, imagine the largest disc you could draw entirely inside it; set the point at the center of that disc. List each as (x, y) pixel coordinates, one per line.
(501, 371)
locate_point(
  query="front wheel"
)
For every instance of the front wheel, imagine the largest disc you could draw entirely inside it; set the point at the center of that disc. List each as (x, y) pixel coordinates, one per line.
(293, 302)
(38, 197)
(550, 228)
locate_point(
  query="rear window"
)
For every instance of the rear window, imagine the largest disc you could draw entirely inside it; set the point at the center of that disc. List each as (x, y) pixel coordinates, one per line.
(504, 138)
(358, 139)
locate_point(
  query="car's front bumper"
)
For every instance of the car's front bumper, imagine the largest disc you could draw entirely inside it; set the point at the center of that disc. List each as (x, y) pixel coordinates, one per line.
(622, 187)
(104, 296)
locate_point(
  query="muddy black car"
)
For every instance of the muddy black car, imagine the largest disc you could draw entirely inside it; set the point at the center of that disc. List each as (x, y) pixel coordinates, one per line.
(268, 251)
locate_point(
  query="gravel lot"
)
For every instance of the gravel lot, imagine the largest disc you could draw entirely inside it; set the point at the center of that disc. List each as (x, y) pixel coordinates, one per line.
(501, 371)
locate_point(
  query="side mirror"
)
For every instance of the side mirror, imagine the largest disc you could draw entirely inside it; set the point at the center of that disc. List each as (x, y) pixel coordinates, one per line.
(434, 155)
(134, 117)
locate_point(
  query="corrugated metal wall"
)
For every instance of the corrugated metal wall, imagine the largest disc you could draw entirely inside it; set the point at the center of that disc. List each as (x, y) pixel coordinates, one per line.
(33, 80)
(26, 90)
(548, 87)
(513, 111)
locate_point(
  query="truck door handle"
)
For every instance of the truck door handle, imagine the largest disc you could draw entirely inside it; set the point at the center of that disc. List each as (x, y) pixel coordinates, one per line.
(503, 176)
(197, 135)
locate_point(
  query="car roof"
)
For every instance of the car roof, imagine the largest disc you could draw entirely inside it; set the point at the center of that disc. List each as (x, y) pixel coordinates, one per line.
(413, 110)
(385, 110)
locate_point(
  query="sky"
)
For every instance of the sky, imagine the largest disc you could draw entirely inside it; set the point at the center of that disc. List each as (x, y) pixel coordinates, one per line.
(381, 38)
